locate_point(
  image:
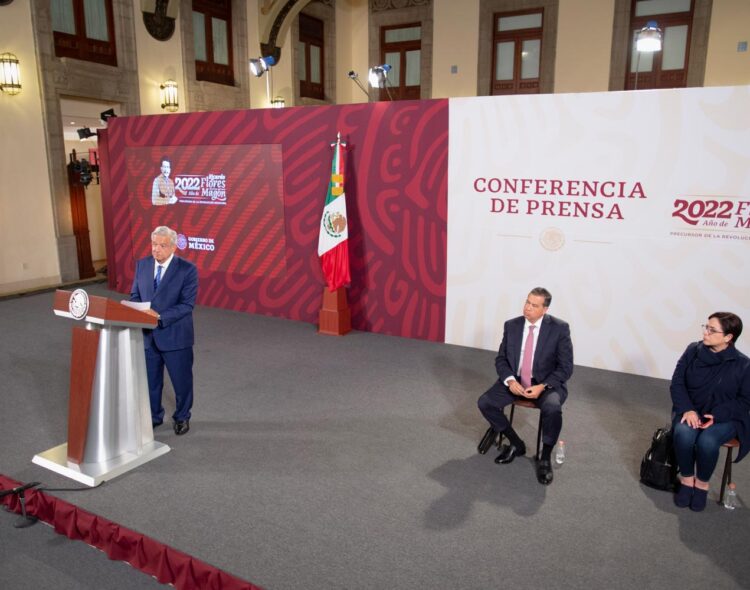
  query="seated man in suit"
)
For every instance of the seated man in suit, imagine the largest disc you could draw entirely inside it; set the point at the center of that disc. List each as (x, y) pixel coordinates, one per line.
(171, 285)
(534, 362)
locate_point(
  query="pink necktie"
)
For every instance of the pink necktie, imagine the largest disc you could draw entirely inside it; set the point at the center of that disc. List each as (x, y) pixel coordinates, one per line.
(528, 353)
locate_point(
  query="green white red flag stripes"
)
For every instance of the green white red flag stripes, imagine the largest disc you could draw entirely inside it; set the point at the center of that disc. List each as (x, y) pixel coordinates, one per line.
(333, 243)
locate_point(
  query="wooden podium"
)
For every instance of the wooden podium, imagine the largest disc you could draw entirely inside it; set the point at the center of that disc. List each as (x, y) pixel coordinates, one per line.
(109, 416)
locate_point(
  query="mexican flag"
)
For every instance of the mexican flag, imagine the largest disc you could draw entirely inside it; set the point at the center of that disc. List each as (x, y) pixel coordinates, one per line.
(333, 243)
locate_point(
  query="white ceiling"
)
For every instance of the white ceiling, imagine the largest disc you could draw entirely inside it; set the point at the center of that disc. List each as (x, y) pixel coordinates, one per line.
(78, 113)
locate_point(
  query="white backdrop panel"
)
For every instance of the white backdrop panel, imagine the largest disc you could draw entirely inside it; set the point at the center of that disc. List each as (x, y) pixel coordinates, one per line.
(599, 220)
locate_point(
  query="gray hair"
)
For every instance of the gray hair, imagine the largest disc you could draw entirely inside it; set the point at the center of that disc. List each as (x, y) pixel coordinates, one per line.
(163, 230)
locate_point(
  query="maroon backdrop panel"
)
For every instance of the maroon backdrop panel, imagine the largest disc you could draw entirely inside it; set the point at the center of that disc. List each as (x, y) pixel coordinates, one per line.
(396, 194)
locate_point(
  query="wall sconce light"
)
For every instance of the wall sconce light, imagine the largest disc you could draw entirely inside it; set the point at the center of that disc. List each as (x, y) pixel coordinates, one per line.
(169, 100)
(278, 102)
(84, 133)
(259, 66)
(10, 74)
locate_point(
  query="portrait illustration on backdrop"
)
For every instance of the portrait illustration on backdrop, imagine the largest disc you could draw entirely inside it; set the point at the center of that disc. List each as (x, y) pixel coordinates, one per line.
(162, 189)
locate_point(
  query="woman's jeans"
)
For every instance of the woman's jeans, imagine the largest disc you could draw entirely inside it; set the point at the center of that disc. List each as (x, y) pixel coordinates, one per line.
(697, 450)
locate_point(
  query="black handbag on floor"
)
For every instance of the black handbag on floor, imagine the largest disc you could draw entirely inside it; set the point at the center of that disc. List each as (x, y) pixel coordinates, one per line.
(658, 466)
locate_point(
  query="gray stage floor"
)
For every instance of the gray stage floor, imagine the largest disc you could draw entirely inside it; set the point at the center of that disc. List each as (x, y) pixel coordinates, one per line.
(37, 558)
(350, 462)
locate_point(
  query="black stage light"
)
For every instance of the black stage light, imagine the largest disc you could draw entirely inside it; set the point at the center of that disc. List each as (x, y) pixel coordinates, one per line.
(84, 133)
(107, 115)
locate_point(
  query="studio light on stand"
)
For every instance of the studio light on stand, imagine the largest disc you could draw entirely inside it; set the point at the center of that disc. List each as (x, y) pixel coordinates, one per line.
(378, 78)
(647, 40)
(355, 77)
(258, 67)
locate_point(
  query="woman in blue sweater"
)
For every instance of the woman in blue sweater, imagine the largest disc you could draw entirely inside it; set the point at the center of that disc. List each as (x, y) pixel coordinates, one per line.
(710, 405)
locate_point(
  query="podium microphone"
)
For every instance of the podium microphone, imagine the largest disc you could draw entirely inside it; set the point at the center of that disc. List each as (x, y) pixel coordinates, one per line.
(19, 489)
(25, 519)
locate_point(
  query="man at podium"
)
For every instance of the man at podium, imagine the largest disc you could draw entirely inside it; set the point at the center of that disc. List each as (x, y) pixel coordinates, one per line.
(170, 284)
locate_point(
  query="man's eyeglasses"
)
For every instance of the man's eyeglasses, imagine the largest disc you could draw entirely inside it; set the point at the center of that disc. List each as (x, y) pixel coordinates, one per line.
(710, 329)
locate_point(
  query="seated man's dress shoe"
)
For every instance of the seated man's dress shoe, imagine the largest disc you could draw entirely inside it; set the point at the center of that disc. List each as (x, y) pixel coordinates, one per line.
(544, 472)
(181, 427)
(155, 424)
(510, 452)
(487, 441)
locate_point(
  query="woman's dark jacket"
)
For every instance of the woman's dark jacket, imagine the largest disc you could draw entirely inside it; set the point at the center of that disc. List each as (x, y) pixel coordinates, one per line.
(716, 383)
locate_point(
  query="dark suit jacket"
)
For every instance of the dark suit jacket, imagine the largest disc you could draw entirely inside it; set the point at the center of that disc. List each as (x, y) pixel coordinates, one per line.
(174, 301)
(553, 358)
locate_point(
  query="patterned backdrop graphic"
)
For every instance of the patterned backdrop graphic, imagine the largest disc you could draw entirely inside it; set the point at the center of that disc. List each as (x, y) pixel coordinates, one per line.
(396, 190)
(228, 205)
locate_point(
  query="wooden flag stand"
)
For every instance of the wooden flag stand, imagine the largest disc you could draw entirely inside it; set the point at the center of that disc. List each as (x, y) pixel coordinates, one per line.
(335, 318)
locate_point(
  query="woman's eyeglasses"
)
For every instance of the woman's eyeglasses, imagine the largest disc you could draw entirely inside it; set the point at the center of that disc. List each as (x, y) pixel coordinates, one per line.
(710, 329)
